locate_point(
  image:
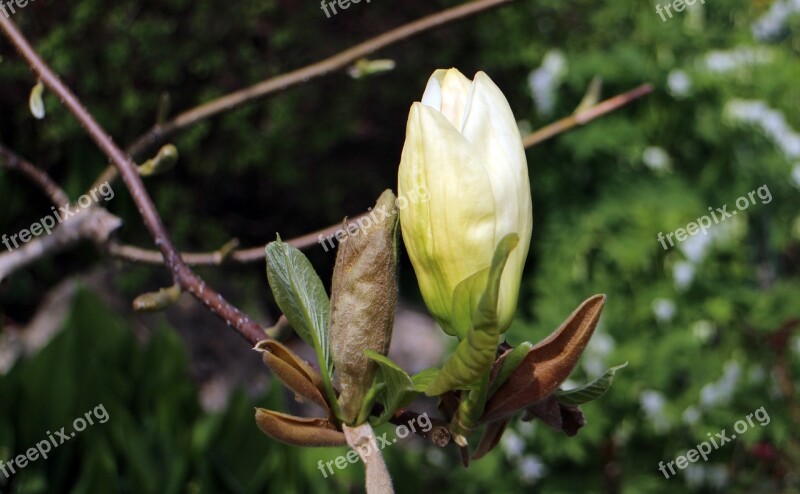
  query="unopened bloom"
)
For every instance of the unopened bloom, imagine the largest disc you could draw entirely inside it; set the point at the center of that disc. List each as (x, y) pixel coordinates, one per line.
(463, 146)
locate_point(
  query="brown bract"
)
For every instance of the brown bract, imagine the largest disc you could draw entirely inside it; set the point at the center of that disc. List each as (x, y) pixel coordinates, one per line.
(295, 373)
(363, 302)
(298, 431)
(547, 364)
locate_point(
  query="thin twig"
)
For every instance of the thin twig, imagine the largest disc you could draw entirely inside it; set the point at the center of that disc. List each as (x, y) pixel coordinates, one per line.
(93, 223)
(586, 116)
(242, 256)
(256, 254)
(11, 160)
(182, 274)
(159, 132)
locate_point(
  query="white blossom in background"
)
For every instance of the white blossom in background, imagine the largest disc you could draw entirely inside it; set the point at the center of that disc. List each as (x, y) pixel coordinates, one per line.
(663, 309)
(652, 403)
(594, 357)
(696, 247)
(695, 475)
(717, 476)
(703, 330)
(544, 81)
(512, 444)
(771, 121)
(656, 159)
(526, 428)
(723, 61)
(532, 469)
(691, 415)
(679, 83)
(436, 457)
(683, 274)
(773, 23)
(720, 392)
(796, 175)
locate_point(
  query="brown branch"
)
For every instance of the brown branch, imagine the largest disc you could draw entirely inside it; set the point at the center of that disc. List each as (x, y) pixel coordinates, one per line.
(159, 132)
(93, 223)
(12, 161)
(256, 254)
(249, 329)
(242, 256)
(586, 116)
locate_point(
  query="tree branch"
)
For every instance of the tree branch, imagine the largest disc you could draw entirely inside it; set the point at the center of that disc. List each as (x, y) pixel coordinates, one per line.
(249, 329)
(256, 254)
(159, 132)
(93, 223)
(242, 256)
(12, 161)
(586, 116)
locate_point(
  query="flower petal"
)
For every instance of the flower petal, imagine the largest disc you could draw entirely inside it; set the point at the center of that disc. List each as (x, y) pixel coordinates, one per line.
(490, 127)
(453, 232)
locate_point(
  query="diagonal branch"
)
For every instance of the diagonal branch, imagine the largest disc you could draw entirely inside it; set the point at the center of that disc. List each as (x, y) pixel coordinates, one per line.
(94, 223)
(249, 329)
(242, 256)
(159, 132)
(586, 116)
(256, 254)
(9, 159)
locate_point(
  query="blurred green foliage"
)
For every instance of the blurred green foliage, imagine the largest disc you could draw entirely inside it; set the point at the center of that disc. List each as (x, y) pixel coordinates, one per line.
(699, 323)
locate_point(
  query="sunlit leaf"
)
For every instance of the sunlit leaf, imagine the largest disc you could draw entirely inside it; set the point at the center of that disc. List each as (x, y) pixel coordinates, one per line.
(590, 391)
(301, 296)
(475, 354)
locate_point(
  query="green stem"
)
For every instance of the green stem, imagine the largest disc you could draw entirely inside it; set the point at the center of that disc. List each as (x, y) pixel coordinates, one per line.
(470, 410)
(326, 381)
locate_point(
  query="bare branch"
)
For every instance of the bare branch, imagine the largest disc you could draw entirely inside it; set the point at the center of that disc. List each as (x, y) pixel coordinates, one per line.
(9, 159)
(586, 116)
(159, 132)
(243, 256)
(93, 223)
(256, 254)
(182, 274)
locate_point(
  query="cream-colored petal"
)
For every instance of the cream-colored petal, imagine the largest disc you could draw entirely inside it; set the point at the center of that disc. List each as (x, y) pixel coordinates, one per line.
(433, 91)
(455, 93)
(451, 236)
(490, 126)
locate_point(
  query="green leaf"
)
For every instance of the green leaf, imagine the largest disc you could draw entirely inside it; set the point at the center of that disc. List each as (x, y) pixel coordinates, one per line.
(35, 100)
(424, 379)
(509, 364)
(465, 300)
(302, 298)
(475, 354)
(589, 392)
(399, 388)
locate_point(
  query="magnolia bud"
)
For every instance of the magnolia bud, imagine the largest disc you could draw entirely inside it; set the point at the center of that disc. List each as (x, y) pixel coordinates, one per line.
(463, 147)
(363, 301)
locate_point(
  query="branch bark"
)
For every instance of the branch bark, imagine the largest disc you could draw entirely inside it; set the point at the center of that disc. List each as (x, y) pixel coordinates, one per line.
(12, 161)
(181, 273)
(93, 223)
(159, 132)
